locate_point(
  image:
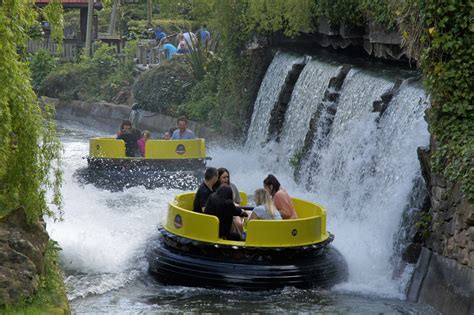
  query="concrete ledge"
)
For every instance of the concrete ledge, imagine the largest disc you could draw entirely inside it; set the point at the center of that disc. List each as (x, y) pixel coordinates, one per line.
(442, 283)
(108, 116)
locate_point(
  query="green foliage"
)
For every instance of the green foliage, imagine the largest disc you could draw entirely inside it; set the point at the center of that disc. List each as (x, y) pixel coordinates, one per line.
(338, 11)
(91, 79)
(41, 64)
(51, 295)
(424, 225)
(29, 148)
(448, 67)
(231, 22)
(198, 58)
(162, 88)
(383, 12)
(202, 100)
(288, 16)
(195, 10)
(53, 13)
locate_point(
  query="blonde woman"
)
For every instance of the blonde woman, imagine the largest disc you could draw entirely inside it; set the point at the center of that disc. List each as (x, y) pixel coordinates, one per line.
(265, 210)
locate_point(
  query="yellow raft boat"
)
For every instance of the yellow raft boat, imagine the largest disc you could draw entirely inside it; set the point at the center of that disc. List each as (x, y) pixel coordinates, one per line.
(274, 253)
(174, 163)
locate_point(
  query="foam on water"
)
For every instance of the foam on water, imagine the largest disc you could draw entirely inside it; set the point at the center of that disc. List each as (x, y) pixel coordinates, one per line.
(103, 234)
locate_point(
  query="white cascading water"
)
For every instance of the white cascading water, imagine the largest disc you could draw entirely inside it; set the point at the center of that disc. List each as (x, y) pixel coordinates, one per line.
(365, 176)
(268, 95)
(307, 96)
(103, 235)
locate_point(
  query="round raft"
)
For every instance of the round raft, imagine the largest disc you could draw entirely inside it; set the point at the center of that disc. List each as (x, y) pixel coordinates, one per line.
(274, 254)
(171, 163)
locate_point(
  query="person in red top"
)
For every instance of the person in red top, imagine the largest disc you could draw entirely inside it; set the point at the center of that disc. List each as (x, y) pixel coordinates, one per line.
(281, 199)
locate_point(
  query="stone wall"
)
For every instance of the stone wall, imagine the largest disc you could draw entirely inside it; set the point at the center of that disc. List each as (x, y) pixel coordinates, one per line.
(452, 216)
(444, 275)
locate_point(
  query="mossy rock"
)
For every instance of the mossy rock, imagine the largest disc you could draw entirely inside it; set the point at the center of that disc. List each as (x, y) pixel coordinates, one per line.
(164, 87)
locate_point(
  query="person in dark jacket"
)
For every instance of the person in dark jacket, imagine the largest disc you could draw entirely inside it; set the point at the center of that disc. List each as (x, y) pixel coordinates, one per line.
(130, 136)
(205, 190)
(221, 205)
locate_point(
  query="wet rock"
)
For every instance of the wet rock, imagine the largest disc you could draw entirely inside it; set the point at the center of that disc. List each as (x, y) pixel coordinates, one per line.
(470, 233)
(124, 96)
(325, 26)
(411, 253)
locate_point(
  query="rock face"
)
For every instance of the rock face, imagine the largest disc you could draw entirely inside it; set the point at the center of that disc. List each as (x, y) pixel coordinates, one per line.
(374, 39)
(22, 252)
(452, 228)
(278, 114)
(444, 276)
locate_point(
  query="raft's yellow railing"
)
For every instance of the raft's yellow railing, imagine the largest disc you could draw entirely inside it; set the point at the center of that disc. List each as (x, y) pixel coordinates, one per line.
(154, 149)
(309, 228)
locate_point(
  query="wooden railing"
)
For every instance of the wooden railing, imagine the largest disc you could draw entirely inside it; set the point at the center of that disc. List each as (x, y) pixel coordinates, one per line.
(69, 53)
(148, 52)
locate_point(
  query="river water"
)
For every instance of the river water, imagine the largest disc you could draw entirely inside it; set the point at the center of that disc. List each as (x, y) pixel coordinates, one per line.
(104, 236)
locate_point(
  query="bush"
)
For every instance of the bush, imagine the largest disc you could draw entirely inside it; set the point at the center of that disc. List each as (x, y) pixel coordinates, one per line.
(88, 79)
(41, 64)
(162, 88)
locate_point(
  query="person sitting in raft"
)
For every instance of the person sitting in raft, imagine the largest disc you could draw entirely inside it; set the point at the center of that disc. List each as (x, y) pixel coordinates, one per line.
(130, 136)
(167, 135)
(183, 133)
(281, 199)
(146, 135)
(205, 190)
(224, 179)
(265, 209)
(221, 205)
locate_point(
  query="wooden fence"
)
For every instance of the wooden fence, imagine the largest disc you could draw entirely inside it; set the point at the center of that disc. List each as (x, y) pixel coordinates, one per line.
(69, 53)
(148, 52)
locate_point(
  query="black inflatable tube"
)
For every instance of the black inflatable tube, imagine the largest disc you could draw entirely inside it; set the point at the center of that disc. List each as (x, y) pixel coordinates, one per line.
(318, 268)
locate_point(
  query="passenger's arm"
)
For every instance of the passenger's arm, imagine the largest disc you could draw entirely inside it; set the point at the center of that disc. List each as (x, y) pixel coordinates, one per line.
(253, 216)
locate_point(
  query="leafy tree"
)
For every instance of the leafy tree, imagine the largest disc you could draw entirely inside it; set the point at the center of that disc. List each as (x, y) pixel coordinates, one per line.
(29, 149)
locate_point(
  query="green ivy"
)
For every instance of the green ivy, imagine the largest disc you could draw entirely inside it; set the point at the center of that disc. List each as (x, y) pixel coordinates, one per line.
(29, 149)
(448, 67)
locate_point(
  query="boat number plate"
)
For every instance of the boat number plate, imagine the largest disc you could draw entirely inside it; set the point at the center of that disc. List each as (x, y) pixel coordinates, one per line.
(180, 149)
(294, 232)
(178, 221)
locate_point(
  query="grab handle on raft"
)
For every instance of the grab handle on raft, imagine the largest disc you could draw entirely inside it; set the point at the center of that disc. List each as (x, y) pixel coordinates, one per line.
(246, 208)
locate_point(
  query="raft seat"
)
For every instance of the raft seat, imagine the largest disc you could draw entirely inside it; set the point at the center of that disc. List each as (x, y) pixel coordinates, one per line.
(111, 148)
(308, 229)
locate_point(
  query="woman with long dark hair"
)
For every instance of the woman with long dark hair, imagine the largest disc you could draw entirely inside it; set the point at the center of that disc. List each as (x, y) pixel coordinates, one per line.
(222, 206)
(223, 176)
(281, 199)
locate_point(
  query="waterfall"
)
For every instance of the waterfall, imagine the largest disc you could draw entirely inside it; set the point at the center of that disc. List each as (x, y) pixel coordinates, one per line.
(307, 96)
(267, 97)
(362, 167)
(353, 127)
